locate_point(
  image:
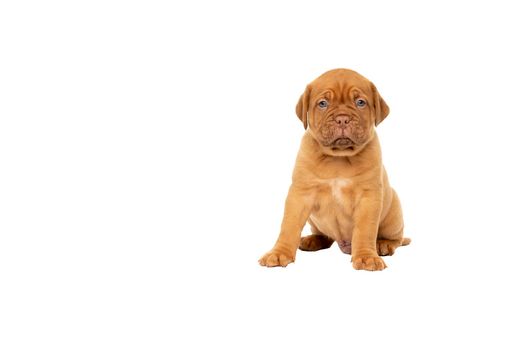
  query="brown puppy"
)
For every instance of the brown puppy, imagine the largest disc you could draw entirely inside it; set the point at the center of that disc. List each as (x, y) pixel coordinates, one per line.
(339, 184)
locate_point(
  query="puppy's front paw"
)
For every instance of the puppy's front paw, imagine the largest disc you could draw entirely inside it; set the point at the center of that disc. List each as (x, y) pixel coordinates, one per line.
(276, 257)
(369, 263)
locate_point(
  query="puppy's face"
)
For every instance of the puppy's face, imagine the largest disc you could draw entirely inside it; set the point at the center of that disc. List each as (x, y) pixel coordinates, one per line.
(341, 109)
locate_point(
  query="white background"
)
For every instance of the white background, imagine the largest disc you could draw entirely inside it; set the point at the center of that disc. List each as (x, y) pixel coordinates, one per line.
(146, 149)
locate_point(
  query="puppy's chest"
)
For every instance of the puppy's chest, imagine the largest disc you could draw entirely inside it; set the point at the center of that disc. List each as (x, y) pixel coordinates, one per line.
(335, 192)
(332, 211)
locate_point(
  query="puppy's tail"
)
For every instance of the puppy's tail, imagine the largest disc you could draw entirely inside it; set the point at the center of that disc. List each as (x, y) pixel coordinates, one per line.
(406, 241)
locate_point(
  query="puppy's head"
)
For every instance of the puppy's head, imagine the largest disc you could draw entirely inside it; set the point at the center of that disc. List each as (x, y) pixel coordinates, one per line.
(341, 108)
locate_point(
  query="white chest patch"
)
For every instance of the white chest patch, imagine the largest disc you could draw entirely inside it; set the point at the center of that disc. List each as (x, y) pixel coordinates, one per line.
(337, 186)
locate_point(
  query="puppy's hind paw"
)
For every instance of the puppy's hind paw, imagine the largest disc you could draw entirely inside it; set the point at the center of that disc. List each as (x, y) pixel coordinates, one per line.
(315, 242)
(387, 247)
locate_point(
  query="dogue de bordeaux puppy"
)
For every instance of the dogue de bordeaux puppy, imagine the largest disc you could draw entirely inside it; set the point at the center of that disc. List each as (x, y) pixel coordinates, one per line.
(339, 185)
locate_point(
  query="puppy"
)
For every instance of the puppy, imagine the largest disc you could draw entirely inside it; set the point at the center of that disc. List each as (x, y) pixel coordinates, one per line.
(339, 185)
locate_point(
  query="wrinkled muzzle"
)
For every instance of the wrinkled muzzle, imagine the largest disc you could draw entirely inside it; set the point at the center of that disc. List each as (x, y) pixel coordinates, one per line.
(343, 134)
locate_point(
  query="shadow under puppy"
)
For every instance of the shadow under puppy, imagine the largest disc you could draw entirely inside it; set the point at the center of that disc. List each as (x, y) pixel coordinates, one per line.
(339, 184)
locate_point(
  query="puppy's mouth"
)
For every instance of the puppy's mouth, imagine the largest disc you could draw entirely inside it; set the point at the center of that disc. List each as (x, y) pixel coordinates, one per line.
(342, 143)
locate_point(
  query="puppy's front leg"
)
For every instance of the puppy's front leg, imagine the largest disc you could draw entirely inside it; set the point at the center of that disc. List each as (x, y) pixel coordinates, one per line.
(296, 211)
(364, 237)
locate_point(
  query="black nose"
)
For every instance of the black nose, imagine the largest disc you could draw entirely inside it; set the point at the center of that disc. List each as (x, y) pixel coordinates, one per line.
(342, 119)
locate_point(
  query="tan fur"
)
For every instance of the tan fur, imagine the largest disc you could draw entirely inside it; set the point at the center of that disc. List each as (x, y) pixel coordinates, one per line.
(339, 183)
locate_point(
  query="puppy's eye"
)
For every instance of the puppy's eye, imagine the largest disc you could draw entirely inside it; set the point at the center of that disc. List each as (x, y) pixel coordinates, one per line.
(360, 103)
(323, 104)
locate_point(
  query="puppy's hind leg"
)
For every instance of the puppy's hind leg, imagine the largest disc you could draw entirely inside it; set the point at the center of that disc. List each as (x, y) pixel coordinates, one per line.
(316, 241)
(390, 235)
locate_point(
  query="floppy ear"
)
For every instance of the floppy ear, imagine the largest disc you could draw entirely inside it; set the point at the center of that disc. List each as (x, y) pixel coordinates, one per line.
(302, 106)
(380, 106)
